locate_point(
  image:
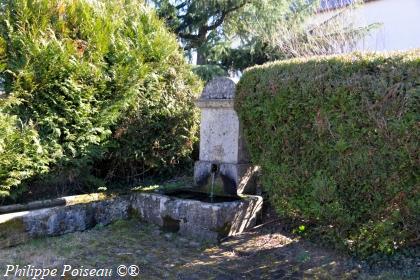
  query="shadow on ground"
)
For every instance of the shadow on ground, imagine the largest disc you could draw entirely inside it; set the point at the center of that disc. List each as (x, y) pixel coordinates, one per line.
(258, 254)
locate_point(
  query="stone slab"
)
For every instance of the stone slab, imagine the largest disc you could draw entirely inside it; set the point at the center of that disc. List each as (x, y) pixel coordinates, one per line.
(68, 200)
(219, 135)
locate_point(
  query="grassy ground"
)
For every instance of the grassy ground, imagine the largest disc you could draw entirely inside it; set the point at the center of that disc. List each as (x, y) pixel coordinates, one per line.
(259, 254)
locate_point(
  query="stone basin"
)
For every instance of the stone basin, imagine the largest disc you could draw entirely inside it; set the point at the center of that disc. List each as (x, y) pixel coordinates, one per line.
(180, 212)
(184, 213)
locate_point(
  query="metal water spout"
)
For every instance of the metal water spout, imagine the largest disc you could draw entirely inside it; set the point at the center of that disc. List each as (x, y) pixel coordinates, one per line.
(214, 169)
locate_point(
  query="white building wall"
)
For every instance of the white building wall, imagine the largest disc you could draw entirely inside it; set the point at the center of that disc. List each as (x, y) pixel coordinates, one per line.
(399, 19)
(400, 28)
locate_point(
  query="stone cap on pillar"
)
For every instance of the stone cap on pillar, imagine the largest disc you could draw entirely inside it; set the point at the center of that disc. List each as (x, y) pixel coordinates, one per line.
(218, 93)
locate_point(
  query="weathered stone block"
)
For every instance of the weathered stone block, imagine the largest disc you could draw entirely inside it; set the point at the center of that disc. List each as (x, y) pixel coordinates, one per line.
(219, 88)
(196, 219)
(16, 228)
(219, 135)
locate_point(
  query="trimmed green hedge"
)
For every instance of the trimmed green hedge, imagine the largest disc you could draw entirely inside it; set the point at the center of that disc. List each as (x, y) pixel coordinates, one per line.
(338, 142)
(99, 82)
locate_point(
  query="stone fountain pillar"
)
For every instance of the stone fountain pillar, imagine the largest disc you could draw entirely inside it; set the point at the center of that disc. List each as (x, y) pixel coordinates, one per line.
(222, 146)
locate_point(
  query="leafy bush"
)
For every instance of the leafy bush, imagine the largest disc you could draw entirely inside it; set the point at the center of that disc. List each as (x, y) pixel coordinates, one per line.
(21, 154)
(94, 78)
(157, 136)
(338, 142)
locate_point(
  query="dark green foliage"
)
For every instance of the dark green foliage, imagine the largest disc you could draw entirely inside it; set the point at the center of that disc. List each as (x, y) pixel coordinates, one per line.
(195, 21)
(21, 154)
(99, 80)
(338, 142)
(213, 29)
(158, 135)
(208, 72)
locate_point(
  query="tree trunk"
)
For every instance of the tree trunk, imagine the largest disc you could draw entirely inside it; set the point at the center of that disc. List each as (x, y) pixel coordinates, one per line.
(201, 57)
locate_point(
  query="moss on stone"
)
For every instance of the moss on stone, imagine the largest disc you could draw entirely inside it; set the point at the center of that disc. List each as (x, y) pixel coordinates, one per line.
(86, 198)
(134, 213)
(12, 232)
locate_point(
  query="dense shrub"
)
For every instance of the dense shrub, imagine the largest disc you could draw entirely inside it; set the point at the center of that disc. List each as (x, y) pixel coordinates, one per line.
(338, 142)
(100, 81)
(157, 136)
(21, 154)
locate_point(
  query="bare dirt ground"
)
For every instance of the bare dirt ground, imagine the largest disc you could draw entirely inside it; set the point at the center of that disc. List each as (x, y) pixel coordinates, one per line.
(262, 253)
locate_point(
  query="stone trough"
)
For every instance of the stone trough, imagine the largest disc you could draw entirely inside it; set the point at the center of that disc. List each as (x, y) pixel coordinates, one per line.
(189, 217)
